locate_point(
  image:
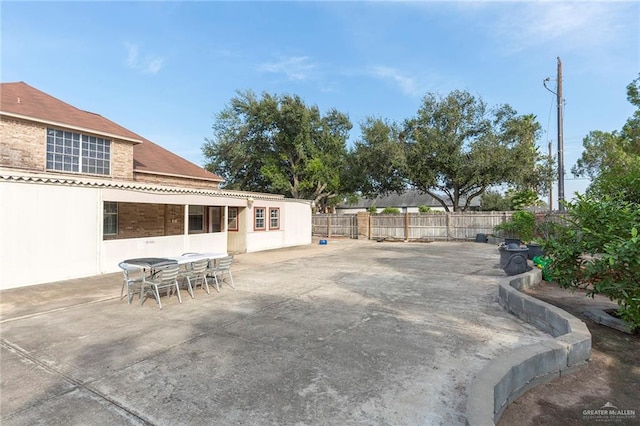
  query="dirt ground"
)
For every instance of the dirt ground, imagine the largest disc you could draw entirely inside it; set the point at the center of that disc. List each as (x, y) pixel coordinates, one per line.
(611, 378)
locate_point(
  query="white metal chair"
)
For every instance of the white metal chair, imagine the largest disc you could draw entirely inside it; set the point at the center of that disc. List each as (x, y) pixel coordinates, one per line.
(219, 268)
(133, 280)
(165, 278)
(197, 275)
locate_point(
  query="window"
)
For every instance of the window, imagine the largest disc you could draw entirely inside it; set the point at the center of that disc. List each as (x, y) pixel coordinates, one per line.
(73, 152)
(110, 218)
(215, 219)
(232, 220)
(274, 218)
(196, 218)
(259, 216)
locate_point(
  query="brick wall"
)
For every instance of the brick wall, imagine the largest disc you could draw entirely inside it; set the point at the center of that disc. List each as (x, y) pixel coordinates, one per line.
(24, 146)
(121, 159)
(148, 220)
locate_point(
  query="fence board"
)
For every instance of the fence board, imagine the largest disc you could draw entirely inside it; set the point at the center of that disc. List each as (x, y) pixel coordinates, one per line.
(432, 226)
(332, 225)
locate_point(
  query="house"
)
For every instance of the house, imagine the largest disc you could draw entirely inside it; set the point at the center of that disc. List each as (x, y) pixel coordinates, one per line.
(80, 193)
(407, 202)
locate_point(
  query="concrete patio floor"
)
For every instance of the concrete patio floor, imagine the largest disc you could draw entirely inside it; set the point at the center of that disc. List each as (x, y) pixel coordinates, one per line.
(354, 332)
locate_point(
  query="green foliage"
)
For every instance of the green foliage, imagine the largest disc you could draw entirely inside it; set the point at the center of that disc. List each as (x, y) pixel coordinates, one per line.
(372, 209)
(454, 149)
(378, 162)
(598, 249)
(278, 144)
(524, 198)
(494, 201)
(521, 225)
(424, 209)
(390, 210)
(506, 229)
(613, 152)
(622, 183)
(546, 227)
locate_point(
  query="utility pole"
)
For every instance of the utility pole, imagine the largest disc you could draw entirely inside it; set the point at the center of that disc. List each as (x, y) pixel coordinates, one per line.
(560, 102)
(551, 180)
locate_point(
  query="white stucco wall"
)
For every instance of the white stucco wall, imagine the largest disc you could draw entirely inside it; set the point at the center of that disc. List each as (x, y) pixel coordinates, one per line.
(295, 226)
(298, 223)
(48, 233)
(54, 232)
(237, 240)
(115, 251)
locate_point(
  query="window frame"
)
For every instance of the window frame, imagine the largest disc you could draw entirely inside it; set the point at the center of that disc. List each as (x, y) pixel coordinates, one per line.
(106, 214)
(72, 152)
(256, 218)
(271, 218)
(203, 220)
(231, 217)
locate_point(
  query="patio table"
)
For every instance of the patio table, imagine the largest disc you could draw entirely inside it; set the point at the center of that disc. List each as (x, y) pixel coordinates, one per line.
(190, 258)
(150, 264)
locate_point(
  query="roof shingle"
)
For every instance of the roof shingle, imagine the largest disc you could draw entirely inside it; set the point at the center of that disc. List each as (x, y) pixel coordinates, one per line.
(25, 101)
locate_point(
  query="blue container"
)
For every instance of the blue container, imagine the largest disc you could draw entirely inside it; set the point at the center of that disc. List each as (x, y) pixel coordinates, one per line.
(323, 242)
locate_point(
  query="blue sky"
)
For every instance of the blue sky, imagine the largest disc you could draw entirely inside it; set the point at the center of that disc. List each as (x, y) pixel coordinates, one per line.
(164, 69)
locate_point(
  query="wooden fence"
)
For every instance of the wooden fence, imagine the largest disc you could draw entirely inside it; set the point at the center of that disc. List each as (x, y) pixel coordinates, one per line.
(332, 225)
(432, 226)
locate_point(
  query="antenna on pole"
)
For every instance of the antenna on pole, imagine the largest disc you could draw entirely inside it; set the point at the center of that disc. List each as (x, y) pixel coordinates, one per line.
(560, 102)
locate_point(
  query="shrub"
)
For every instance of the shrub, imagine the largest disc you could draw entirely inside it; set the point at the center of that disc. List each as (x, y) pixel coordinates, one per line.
(521, 225)
(390, 210)
(598, 249)
(424, 209)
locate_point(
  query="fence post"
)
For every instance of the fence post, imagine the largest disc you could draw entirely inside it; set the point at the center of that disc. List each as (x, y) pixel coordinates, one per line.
(328, 226)
(362, 224)
(406, 226)
(448, 225)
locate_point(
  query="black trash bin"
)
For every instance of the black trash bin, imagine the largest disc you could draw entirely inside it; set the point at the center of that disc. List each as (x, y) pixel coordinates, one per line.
(481, 238)
(513, 261)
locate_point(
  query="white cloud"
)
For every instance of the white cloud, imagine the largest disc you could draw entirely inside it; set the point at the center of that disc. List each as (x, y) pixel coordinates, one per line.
(295, 67)
(407, 84)
(581, 25)
(146, 65)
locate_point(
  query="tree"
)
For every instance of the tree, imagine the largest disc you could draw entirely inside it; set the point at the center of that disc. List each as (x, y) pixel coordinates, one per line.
(493, 200)
(454, 150)
(597, 248)
(607, 152)
(278, 144)
(378, 162)
(602, 225)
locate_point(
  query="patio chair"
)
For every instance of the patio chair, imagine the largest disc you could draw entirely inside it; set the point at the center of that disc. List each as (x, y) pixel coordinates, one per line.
(133, 280)
(166, 278)
(219, 268)
(196, 275)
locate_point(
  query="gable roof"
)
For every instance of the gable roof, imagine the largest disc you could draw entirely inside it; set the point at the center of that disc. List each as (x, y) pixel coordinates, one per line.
(23, 101)
(20, 100)
(151, 158)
